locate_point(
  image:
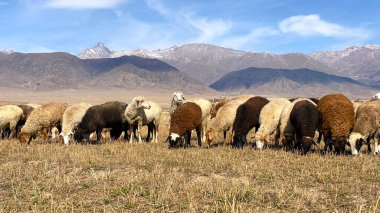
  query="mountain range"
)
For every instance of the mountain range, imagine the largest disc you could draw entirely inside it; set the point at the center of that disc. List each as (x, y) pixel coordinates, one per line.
(354, 70)
(58, 70)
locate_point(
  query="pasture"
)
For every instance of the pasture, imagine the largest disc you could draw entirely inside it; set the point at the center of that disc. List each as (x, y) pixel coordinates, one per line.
(122, 177)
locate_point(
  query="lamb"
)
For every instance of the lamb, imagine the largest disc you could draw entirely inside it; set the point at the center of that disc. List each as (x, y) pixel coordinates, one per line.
(247, 117)
(270, 122)
(44, 117)
(367, 127)
(223, 122)
(71, 118)
(107, 115)
(305, 119)
(143, 113)
(185, 118)
(10, 115)
(286, 128)
(337, 113)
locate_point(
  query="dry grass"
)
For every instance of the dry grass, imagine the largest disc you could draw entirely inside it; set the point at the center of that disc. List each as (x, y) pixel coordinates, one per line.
(121, 177)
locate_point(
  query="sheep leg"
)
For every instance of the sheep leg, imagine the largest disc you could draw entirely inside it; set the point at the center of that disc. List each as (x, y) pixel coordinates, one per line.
(377, 146)
(132, 134)
(156, 133)
(139, 126)
(98, 134)
(225, 138)
(199, 135)
(187, 139)
(369, 144)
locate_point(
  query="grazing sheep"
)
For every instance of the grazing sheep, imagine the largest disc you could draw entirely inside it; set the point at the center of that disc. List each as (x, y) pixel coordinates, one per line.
(270, 122)
(71, 118)
(286, 128)
(107, 115)
(223, 122)
(337, 113)
(205, 106)
(305, 119)
(10, 115)
(44, 117)
(367, 127)
(185, 118)
(247, 117)
(141, 113)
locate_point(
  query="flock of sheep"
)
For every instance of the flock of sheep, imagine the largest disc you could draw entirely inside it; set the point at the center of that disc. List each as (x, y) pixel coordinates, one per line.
(293, 124)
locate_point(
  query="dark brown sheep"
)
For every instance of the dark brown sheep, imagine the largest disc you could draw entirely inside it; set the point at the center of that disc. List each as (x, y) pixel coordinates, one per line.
(185, 118)
(305, 118)
(107, 115)
(337, 120)
(247, 117)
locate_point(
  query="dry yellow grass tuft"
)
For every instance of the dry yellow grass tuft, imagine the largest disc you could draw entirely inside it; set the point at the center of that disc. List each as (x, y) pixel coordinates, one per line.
(121, 177)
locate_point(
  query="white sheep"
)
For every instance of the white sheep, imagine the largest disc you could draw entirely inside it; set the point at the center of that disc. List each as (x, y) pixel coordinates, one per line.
(71, 118)
(286, 128)
(270, 114)
(205, 106)
(143, 113)
(223, 121)
(9, 117)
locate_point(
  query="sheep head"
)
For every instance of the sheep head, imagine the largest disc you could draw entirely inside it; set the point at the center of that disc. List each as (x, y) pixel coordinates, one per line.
(239, 140)
(178, 97)
(356, 141)
(24, 137)
(174, 140)
(210, 135)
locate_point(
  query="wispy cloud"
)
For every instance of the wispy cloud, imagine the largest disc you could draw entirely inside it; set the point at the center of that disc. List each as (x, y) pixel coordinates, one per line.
(255, 36)
(207, 29)
(313, 25)
(84, 4)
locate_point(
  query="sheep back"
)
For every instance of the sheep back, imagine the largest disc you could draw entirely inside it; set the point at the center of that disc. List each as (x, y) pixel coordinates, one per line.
(73, 116)
(186, 117)
(367, 118)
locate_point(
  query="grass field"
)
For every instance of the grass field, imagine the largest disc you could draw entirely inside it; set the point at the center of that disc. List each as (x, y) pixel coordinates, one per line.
(121, 177)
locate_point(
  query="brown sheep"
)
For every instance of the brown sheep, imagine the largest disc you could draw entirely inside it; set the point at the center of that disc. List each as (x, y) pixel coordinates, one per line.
(337, 120)
(184, 119)
(247, 117)
(47, 116)
(367, 127)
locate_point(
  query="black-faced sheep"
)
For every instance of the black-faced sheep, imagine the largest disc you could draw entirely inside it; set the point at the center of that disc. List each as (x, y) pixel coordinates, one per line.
(71, 118)
(367, 127)
(184, 119)
(42, 118)
(305, 119)
(107, 115)
(337, 113)
(247, 117)
(10, 115)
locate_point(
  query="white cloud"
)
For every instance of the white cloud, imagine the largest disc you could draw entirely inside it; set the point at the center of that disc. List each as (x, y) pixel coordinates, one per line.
(84, 4)
(254, 36)
(313, 25)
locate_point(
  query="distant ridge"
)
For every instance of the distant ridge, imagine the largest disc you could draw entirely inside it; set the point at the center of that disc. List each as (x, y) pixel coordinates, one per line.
(282, 82)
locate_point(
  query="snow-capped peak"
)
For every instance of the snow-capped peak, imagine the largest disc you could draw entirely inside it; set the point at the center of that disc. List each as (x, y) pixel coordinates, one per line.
(98, 51)
(7, 51)
(372, 46)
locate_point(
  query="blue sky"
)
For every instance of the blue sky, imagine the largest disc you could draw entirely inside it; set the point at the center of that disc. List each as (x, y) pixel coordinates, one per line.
(278, 26)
